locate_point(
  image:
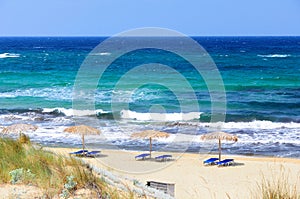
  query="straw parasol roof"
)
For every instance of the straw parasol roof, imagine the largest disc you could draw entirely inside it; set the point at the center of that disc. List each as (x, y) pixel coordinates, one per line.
(150, 134)
(219, 136)
(83, 130)
(18, 128)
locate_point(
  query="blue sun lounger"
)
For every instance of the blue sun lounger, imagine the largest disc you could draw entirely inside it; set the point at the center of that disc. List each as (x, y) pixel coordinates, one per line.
(163, 157)
(80, 152)
(93, 153)
(225, 162)
(142, 156)
(210, 161)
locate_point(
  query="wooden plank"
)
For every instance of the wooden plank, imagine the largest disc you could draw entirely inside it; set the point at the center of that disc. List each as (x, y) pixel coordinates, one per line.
(168, 188)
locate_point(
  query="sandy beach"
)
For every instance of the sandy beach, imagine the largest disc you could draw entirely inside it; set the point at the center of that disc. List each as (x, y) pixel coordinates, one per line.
(194, 180)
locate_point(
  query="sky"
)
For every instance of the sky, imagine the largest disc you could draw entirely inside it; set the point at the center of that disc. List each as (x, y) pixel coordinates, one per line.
(110, 17)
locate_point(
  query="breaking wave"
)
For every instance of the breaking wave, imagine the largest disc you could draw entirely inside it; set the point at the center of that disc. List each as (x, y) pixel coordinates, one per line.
(127, 114)
(9, 55)
(275, 55)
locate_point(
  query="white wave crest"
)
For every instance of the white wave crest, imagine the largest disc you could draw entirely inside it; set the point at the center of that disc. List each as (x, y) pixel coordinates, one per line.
(74, 112)
(275, 55)
(55, 93)
(9, 55)
(253, 125)
(102, 54)
(127, 114)
(66, 94)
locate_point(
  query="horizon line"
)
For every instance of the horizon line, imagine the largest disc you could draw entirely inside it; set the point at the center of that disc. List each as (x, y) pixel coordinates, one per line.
(162, 36)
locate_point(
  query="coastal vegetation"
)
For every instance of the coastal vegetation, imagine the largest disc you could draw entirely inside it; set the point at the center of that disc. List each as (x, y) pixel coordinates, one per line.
(277, 187)
(58, 176)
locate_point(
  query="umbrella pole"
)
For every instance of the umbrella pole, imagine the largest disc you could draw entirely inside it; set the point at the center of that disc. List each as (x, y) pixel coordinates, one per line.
(219, 149)
(83, 142)
(150, 146)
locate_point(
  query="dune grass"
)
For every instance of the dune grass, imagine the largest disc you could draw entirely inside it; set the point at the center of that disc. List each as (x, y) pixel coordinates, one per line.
(48, 171)
(277, 187)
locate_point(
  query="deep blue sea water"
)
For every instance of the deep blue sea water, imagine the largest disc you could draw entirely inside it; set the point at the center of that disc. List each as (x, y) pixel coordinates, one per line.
(261, 77)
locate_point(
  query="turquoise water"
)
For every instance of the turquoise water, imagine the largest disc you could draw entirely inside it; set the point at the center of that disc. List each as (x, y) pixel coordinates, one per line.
(261, 77)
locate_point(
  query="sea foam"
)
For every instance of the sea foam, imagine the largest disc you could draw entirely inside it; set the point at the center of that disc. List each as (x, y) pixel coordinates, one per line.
(255, 125)
(74, 112)
(9, 55)
(275, 55)
(102, 53)
(53, 93)
(127, 114)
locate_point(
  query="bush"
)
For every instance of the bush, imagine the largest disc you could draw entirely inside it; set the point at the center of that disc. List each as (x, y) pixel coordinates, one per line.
(16, 175)
(68, 187)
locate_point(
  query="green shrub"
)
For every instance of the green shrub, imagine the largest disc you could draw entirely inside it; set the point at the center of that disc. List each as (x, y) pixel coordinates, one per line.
(68, 187)
(17, 175)
(71, 184)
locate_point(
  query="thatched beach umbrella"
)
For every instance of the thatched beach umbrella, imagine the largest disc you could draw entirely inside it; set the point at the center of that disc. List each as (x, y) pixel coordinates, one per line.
(219, 136)
(150, 134)
(83, 130)
(19, 128)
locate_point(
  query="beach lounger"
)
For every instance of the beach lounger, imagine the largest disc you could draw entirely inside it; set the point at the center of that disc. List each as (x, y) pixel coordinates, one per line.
(225, 162)
(163, 157)
(93, 153)
(210, 161)
(80, 152)
(142, 156)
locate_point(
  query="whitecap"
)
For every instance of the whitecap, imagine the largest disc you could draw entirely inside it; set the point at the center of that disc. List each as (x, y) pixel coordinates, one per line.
(9, 55)
(127, 114)
(102, 53)
(256, 124)
(54, 93)
(275, 55)
(74, 112)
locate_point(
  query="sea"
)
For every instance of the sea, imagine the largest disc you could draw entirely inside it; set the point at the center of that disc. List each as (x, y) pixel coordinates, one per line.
(260, 77)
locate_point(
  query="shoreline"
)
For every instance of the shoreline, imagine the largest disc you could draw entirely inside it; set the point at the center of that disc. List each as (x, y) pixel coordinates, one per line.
(187, 152)
(191, 178)
(175, 152)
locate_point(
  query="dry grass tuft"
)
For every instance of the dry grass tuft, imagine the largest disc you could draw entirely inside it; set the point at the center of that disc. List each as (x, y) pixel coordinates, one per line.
(48, 171)
(277, 187)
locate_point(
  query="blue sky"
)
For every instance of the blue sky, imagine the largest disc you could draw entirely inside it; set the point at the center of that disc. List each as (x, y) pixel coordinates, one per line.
(109, 17)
